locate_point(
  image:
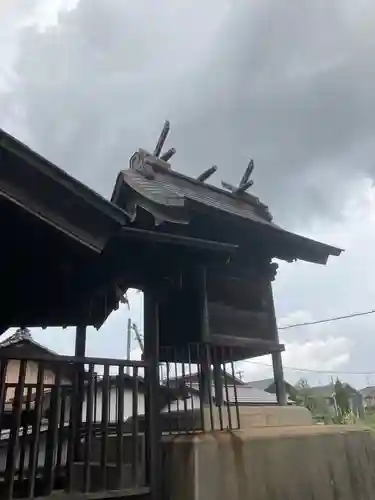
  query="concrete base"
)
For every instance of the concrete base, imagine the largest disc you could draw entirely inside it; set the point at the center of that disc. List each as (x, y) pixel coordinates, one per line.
(272, 463)
(255, 416)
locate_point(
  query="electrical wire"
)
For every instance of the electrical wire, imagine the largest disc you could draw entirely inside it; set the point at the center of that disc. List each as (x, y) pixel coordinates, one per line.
(327, 320)
(309, 370)
(317, 322)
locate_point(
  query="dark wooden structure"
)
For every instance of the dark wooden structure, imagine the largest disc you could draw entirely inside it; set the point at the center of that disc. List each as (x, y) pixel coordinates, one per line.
(201, 255)
(222, 303)
(69, 257)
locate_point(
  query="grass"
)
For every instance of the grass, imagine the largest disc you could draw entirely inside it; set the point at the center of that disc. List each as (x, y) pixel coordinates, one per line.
(369, 420)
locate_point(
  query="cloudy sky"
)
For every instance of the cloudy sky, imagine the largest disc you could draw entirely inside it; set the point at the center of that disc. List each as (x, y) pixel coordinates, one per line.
(289, 83)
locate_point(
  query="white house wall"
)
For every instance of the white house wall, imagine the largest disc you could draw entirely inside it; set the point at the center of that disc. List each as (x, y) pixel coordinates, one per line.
(191, 403)
(97, 407)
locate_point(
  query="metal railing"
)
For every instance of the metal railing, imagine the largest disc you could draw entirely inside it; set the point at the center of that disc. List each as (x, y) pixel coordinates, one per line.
(71, 424)
(205, 387)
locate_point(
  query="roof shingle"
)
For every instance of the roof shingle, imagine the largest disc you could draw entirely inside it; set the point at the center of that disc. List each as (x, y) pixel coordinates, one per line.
(151, 181)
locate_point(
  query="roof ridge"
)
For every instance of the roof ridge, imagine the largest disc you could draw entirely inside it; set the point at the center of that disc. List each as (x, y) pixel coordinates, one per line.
(147, 159)
(18, 336)
(21, 335)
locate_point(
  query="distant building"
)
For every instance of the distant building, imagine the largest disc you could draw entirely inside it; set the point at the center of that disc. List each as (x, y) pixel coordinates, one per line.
(193, 378)
(268, 385)
(326, 393)
(234, 389)
(368, 394)
(22, 340)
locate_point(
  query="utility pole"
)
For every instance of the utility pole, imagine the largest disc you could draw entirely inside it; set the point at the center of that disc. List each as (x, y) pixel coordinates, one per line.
(138, 336)
(128, 346)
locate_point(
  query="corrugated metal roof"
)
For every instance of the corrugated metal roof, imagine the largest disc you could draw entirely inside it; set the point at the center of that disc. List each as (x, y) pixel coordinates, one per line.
(261, 384)
(245, 395)
(250, 395)
(195, 375)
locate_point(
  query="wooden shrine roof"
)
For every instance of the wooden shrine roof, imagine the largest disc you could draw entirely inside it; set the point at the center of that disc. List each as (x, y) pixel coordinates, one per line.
(171, 189)
(171, 197)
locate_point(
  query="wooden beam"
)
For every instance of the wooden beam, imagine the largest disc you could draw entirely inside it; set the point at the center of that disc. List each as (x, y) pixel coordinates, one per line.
(277, 362)
(80, 343)
(79, 383)
(14, 353)
(246, 343)
(172, 239)
(151, 357)
(278, 374)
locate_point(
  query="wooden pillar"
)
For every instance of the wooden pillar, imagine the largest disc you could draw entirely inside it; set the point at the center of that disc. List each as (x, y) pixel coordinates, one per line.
(152, 412)
(200, 278)
(218, 382)
(278, 374)
(80, 345)
(277, 363)
(79, 352)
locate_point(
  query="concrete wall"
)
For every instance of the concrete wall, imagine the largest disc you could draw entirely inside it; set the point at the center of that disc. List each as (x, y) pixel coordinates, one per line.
(272, 463)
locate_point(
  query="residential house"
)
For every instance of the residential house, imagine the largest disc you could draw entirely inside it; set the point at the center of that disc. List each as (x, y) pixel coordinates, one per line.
(325, 398)
(193, 378)
(244, 395)
(368, 394)
(268, 385)
(102, 391)
(233, 390)
(22, 340)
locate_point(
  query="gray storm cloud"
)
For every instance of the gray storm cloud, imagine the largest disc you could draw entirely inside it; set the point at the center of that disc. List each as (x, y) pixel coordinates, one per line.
(288, 83)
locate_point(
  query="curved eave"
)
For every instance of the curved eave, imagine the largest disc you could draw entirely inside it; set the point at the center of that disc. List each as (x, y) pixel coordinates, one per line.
(33, 159)
(296, 247)
(41, 188)
(280, 243)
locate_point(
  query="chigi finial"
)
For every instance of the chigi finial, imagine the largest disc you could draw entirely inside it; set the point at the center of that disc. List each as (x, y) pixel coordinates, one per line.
(245, 182)
(160, 144)
(207, 173)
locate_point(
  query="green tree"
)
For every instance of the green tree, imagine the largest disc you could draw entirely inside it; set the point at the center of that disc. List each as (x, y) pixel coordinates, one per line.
(302, 384)
(303, 393)
(342, 398)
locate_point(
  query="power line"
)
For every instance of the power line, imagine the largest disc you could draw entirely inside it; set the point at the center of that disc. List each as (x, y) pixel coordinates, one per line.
(329, 372)
(327, 320)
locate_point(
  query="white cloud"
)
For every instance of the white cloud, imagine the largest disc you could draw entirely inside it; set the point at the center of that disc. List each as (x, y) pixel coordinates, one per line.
(328, 355)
